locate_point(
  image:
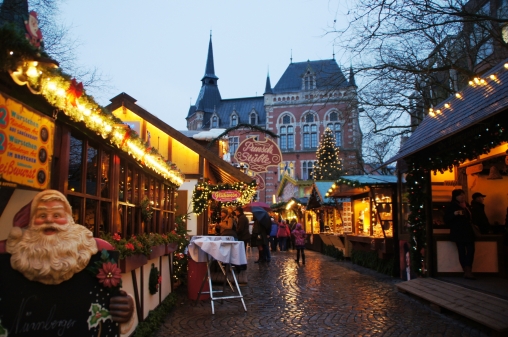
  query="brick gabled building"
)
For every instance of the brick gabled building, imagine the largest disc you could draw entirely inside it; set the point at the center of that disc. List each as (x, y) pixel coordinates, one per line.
(309, 97)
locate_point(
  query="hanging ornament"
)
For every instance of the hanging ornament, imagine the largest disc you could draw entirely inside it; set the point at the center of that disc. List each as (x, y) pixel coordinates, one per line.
(74, 92)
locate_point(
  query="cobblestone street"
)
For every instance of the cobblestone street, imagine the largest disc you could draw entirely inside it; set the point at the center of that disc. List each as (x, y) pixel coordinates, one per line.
(322, 298)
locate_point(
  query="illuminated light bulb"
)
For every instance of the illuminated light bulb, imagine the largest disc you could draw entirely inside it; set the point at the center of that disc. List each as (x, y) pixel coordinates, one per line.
(51, 86)
(11, 53)
(431, 110)
(108, 128)
(506, 65)
(476, 80)
(447, 105)
(431, 113)
(438, 111)
(32, 72)
(458, 95)
(492, 77)
(60, 92)
(482, 81)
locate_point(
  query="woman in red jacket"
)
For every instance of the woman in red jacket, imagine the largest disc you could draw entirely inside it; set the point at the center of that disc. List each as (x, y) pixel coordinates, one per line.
(283, 235)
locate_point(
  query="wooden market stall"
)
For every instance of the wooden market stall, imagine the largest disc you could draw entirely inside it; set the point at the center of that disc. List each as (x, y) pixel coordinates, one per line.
(125, 173)
(464, 146)
(369, 209)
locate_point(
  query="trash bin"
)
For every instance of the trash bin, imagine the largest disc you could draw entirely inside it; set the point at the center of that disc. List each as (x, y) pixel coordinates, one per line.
(196, 272)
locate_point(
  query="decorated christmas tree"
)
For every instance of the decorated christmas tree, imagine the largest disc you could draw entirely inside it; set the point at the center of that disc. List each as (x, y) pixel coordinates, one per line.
(328, 165)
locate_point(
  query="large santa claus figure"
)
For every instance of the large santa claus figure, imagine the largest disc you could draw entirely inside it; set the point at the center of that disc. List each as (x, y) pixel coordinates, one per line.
(45, 287)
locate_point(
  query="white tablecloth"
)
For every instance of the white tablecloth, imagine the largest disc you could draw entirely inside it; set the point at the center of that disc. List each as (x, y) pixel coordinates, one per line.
(221, 248)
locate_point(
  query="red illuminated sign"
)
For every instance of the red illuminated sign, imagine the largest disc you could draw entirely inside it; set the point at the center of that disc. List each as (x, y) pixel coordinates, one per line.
(226, 195)
(258, 155)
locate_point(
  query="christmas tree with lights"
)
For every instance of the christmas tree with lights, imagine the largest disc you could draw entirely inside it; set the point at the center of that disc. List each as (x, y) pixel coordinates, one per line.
(328, 165)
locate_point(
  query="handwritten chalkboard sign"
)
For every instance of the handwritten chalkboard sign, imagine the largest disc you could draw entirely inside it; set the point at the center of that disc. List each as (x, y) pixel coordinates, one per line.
(74, 308)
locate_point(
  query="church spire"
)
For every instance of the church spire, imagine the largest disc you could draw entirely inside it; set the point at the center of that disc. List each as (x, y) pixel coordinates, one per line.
(210, 69)
(268, 87)
(351, 76)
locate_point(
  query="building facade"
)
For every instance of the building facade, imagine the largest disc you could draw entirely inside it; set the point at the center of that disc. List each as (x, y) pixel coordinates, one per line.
(309, 97)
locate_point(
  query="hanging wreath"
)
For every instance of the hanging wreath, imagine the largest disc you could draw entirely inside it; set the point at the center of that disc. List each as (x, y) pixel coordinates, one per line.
(146, 209)
(154, 280)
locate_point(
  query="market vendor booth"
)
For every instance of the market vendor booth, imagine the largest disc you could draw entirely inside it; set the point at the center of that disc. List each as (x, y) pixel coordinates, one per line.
(460, 144)
(368, 213)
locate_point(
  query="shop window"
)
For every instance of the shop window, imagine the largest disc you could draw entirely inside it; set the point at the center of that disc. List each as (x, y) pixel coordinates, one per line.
(88, 182)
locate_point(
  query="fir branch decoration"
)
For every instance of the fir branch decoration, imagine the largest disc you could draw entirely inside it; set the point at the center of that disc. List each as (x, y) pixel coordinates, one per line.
(146, 209)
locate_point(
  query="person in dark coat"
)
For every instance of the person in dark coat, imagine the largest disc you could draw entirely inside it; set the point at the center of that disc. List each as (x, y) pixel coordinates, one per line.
(273, 235)
(478, 212)
(458, 217)
(259, 238)
(242, 226)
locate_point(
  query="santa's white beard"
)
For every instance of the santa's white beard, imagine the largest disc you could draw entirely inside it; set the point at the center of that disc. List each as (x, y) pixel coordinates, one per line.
(50, 259)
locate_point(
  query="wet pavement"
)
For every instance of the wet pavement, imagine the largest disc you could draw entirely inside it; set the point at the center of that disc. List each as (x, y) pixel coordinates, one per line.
(322, 298)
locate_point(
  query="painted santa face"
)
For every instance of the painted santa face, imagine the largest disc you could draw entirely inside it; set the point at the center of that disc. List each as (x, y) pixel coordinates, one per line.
(33, 25)
(50, 213)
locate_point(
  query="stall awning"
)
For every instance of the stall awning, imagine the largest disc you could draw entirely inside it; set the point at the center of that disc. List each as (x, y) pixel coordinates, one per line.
(353, 185)
(475, 103)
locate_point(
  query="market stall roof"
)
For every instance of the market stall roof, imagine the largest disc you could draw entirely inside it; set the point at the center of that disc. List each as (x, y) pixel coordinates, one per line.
(485, 97)
(223, 171)
(369, 179)
(318, 196)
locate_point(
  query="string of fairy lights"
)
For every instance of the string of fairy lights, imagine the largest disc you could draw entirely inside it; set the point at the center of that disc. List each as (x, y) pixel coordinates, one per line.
(63, 93)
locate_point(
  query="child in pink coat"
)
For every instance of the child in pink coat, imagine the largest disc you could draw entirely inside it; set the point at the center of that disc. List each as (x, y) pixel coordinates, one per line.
(300, 236)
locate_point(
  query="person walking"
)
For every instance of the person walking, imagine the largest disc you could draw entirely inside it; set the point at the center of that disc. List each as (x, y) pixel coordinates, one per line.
(242, 227)
(299, 235)
(458, 217)
(282, 235)
(273, 235)
(259, 238)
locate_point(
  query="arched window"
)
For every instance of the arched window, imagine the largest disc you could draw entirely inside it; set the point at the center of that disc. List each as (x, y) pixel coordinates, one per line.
(286, 134)
(310, 136)
(214, 122)
(234, 120)
(336, 128)
(334, 117)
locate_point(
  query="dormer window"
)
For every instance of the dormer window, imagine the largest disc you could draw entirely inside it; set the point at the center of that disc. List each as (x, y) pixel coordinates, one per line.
(215, 122)
(253, 118)
(234, 120)
(309, 81)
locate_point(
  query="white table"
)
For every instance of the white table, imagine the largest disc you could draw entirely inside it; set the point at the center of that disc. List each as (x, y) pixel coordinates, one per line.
(226, 251)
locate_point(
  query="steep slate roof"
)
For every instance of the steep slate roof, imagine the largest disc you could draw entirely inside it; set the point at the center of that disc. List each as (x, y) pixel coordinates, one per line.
(477, 103)
(242, 106)
(328, 76)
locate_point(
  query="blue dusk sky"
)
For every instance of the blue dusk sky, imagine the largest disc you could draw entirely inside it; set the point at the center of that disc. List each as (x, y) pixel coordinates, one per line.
(155, 50)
